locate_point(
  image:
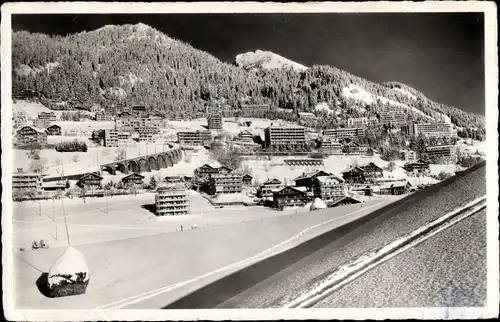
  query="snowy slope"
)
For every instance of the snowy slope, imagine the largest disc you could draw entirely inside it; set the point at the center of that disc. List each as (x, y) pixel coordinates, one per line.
(266, 60)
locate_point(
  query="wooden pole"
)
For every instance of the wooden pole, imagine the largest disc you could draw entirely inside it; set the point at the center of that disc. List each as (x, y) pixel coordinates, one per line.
(66, 223)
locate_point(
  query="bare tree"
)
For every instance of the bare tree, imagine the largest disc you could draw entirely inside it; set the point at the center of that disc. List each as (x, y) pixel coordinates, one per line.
(38, 166)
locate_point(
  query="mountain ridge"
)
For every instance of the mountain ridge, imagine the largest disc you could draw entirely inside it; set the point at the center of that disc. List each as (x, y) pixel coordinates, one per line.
(139, 64)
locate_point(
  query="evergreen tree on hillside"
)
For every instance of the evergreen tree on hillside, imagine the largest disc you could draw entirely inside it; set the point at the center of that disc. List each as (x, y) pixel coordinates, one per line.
(140, 65)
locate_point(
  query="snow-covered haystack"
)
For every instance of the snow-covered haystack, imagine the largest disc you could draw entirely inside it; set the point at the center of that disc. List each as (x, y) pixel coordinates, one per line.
(318, 204)
(69, 275)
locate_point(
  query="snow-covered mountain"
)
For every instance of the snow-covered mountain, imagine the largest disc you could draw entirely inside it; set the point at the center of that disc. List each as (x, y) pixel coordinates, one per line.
(266, 60)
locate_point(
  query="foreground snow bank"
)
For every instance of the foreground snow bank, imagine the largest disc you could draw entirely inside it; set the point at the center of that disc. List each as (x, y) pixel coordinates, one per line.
(69, 275)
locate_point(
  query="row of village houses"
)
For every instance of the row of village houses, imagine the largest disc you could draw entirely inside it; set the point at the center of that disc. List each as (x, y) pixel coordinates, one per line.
(172, 198)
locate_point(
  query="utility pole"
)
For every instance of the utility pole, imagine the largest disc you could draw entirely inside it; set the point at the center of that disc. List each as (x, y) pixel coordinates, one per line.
(65, 222)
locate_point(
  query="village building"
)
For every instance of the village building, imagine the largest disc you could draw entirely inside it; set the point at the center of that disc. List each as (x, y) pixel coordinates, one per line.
(397, 188)
(214, 121)
(49, 116)
(392, 118)
(26, 180)
(42, 123)
(307, 179)
(292, 136)
(96, 108)
(329, 145)
(439, 130)
(139, 109)
(54, 187)
(268, 187)
(329, 188)
(419, 167)
(306, 116)
(357, 121)
(54, 130)
(146, 133)
(347, 200)
(224, 169)
(90, 181)
(133, 179)
(341, 133)
(226, 183)
(30, 135)
(356, 175)
(198, 138)
(290, 197)
(106, 137)
(203, 173)
(246, 106)
(116, 109)
(247, 180)
(442, 152)
(354, 147)
(408, 155)
(171, 201)
(245, 136)
(372, 171)
(173, 179)
(101, 116)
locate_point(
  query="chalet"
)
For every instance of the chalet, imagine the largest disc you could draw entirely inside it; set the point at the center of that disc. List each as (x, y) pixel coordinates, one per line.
(290, 197)
(267, 188)
(354, 175)
(54, 130)
(172, 179)
(417, 167)
(306, 179)
(354, 147)
(342, 202)
(90, 181)
(203, 173)
(224, 169)
(372, 171)
(133, 179)
(397, 188)
(28, 135)
(329, 188)
(247, 180)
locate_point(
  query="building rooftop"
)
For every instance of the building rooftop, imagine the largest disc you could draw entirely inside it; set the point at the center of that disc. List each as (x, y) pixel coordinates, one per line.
(330, 179)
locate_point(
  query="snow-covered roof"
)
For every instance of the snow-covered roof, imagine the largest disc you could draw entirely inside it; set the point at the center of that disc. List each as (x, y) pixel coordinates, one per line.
(330, 179)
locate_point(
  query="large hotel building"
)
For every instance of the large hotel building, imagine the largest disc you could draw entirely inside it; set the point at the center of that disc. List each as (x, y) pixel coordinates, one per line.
(26, 180)
(428, 129)
(284, 135)
(342, 133)
(448, 152)
(171, 201)
(392, 118)
(198, 138)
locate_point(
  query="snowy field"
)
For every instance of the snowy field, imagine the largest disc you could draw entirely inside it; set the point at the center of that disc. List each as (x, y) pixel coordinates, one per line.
(190, 255)
(122, 217)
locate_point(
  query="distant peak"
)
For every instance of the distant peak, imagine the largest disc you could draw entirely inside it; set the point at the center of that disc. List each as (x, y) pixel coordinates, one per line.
(266, 60)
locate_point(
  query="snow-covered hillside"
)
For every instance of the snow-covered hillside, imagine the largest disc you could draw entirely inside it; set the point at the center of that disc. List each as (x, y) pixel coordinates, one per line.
(266, 60)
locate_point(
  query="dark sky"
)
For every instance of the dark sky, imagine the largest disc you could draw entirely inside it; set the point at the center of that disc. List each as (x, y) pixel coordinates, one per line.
(440, 54)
